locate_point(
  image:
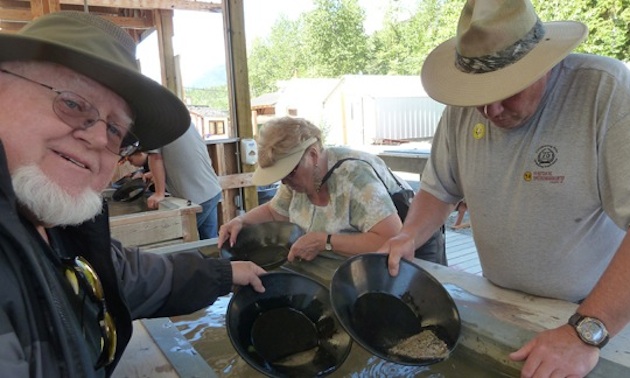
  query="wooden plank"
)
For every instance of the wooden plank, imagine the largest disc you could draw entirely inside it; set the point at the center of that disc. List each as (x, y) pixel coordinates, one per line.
(42, 7)
(165, 29)
(214, 7)
(175, 221)
(405, 162)
(464, 260)
(461, 252)
(143, 357)
(16, 14)
(240, 180)
(148, 231)
(457, 242)
(238, 86)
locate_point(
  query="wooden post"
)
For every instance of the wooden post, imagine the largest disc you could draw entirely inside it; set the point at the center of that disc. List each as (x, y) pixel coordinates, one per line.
(164, 25)
(42, 7)
(238, 84)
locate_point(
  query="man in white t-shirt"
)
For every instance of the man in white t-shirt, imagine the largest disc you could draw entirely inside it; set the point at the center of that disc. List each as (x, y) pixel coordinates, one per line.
(536, 139)
(184, 169)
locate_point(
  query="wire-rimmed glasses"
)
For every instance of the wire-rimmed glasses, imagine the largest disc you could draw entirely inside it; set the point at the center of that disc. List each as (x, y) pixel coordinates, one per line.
(78, 113)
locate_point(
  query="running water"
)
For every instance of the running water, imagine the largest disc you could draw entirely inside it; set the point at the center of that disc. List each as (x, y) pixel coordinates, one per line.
(206, 331)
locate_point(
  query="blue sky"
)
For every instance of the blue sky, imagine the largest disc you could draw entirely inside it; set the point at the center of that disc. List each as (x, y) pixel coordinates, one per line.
(199, 36)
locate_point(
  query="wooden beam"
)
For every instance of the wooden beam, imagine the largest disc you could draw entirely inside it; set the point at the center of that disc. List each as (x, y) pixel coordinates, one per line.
(238, 83)
(10, 27)
(25, 11)
(131, 22)
(239, 180)
(164, 26)
(42, 7)
(152, 4)
(14, 14)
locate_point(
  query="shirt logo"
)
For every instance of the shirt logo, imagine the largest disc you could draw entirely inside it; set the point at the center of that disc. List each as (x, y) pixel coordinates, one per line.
(479, 131)
(546, 156)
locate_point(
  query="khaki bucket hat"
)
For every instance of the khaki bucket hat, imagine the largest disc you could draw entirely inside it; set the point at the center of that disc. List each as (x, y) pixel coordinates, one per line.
(501, 48)
(102, 51)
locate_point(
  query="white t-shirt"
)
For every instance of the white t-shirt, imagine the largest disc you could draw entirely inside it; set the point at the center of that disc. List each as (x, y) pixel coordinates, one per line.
(549, 202)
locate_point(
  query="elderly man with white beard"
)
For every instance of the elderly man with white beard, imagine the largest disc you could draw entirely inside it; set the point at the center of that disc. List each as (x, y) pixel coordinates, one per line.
(72, 103)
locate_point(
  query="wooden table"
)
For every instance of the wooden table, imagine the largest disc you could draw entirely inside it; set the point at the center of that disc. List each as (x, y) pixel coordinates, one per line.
(413, 162)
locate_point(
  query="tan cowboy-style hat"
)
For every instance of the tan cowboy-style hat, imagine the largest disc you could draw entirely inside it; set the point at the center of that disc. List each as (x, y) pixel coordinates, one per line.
(282, 166)
(500, 49)
(100, 50)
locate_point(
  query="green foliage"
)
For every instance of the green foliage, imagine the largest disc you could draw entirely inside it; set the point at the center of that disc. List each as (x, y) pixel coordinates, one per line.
(330, 41)
(608, 22)
(279, 57)
(215, 97)
(335, 38)
(326, 42)
(400, 48)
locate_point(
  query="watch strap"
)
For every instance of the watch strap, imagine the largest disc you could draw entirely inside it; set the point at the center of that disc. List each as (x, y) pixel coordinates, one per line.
(328, 243)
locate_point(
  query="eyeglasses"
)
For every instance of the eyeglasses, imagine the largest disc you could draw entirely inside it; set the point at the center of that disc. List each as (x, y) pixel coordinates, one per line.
(78, 113)
(81, 274)
(292, 173)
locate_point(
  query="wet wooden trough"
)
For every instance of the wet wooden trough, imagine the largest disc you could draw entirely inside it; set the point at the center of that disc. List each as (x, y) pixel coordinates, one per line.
(495, 322)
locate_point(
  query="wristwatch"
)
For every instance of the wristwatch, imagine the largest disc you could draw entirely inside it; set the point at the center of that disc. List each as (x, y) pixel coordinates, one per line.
(328, 245)
(591, 331)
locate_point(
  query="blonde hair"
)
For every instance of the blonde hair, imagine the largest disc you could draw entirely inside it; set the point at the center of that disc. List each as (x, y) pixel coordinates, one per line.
(280, 135)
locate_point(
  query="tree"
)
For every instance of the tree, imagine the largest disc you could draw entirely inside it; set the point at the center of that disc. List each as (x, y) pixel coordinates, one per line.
(330, 41)
(608, 22)
(408, 35)
(278, 57)
(335, 39)
(214, 98)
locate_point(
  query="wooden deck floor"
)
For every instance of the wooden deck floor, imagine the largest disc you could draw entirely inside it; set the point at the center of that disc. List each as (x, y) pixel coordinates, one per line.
(461, 251)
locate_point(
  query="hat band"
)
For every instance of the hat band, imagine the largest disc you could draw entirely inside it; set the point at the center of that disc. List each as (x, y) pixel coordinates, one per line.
(503, 58)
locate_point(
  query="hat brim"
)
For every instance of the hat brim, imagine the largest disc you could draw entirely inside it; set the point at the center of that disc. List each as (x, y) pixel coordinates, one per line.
(283, 166)
(447, 84)
(278, 171)
(160, 116)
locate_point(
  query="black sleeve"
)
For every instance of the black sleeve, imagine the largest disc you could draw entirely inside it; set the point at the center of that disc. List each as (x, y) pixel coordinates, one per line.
(158, 285)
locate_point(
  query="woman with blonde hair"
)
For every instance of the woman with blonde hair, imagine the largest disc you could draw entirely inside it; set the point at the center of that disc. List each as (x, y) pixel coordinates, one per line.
(346, 210)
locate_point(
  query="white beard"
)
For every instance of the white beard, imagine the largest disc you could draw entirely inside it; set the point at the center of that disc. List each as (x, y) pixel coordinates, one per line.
(49, 203)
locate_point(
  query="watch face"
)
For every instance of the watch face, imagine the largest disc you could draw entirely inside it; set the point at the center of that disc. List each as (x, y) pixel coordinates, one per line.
(592, 331)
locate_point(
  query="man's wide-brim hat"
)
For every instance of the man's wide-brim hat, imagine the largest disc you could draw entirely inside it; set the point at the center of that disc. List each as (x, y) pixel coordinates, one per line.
(500, 49)
(100, 50)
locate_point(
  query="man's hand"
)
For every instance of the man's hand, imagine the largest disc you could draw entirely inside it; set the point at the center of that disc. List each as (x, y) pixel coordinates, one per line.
(556, 353)
(246, 273)
(400, 246)
(153, 202)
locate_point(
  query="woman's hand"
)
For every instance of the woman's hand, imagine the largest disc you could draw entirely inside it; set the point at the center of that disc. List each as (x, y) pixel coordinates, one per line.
(229, 231)
(307, 247)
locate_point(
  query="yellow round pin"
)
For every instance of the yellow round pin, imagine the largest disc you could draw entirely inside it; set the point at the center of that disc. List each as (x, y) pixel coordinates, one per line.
(479, 131)
(527, 176)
